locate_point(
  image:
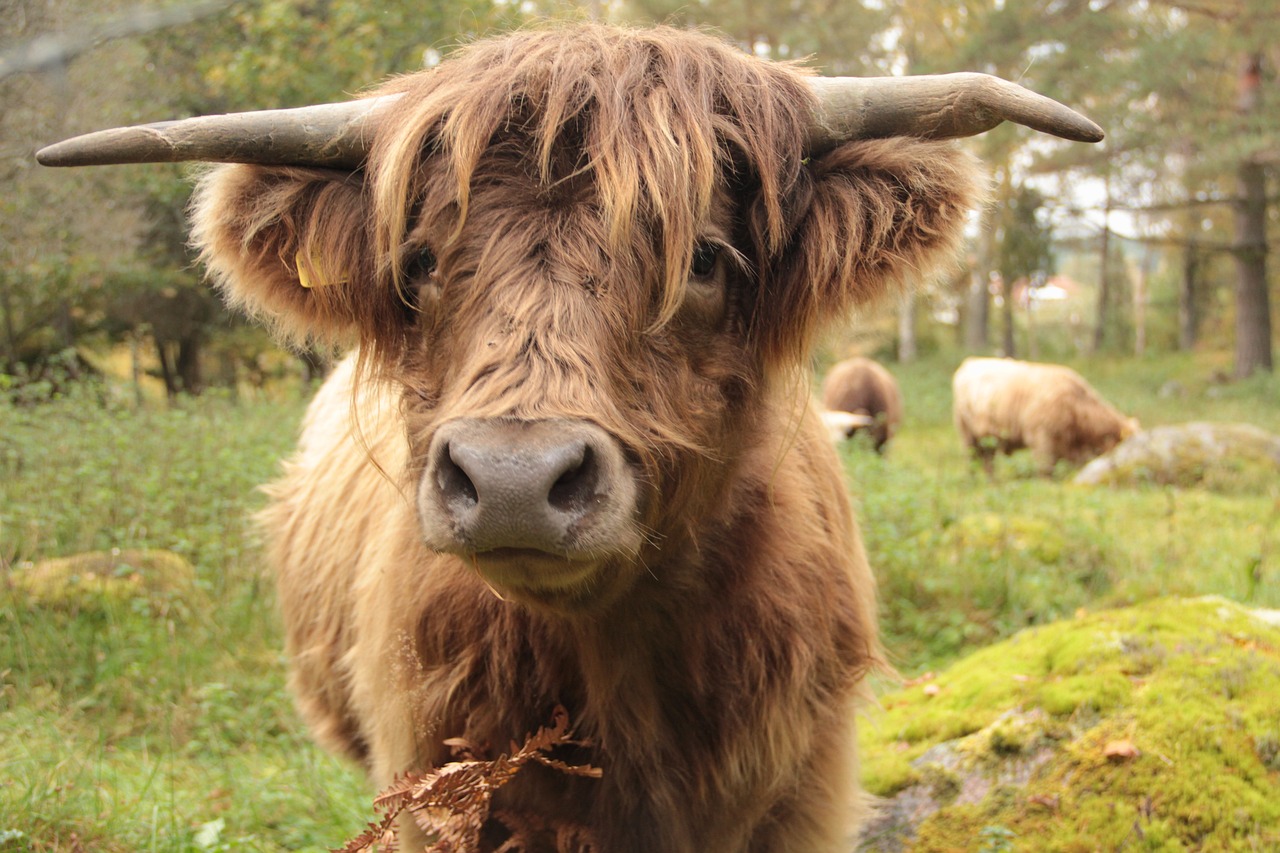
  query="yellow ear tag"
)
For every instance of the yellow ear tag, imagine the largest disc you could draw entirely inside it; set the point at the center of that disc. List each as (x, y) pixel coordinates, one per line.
(321, 277)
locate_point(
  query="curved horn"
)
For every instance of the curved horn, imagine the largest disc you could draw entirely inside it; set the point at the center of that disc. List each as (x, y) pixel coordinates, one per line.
(939, 106)
(936, 106)
(333, 135)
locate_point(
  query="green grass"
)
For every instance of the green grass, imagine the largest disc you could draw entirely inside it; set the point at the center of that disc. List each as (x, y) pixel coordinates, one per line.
(158, 722)
(161, 721)
(963, 561)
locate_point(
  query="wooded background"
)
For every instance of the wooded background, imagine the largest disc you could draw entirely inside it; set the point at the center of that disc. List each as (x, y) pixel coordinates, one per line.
(1157, 239)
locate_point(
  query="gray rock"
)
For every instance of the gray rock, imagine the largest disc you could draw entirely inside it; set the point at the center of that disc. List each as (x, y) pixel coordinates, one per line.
(960, 772)
(1221, 456)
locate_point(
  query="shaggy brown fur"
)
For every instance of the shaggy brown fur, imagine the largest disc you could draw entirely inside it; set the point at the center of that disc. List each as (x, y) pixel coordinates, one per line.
(864, 387)
(561, 180)
(1005, 405)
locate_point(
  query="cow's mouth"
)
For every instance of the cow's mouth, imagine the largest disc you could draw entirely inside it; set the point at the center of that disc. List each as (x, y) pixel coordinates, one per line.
(530, 574)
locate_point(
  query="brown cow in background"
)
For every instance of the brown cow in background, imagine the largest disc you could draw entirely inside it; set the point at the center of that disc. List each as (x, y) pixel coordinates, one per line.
(1004, 405)
(864, 387)
(581, 268)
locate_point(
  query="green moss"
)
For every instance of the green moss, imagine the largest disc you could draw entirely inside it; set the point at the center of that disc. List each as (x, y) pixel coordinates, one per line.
(1190, 685)
(1014, 735)
(943, 784)
(997, 535)
(100, 578)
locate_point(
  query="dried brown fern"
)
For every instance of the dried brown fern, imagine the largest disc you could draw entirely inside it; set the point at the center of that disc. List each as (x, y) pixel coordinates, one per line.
(528, 831)
(453, 803)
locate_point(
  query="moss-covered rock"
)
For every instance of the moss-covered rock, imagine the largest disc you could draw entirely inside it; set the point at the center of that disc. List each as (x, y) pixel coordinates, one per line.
(1000, 535)
(100, 578)
(1227, 458)
(1149, 728)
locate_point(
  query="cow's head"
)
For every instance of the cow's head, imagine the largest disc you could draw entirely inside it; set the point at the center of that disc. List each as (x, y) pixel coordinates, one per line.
(589, 257)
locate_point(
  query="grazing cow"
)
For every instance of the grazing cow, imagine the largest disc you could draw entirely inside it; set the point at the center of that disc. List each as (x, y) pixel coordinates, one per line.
(568, 462)
(1005, 405)
(864, 387)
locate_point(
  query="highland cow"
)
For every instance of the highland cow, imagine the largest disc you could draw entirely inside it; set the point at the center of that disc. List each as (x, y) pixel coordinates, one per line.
(1004, 405)
(569, 461)
(863, 387)
(843, 425)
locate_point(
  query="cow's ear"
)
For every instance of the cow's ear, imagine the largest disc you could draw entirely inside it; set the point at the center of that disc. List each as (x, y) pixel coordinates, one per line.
(292, 247)
(868, 217)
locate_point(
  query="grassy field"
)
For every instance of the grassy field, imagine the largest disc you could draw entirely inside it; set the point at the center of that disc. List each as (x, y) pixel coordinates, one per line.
(160, 722)
(963, 561)
(156, 723)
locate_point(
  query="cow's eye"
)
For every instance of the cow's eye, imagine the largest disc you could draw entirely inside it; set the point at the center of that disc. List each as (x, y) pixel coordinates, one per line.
(421, 265)
(704, 259)
(421, 285)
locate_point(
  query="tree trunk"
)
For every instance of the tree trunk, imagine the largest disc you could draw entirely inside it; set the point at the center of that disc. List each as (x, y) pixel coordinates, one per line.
(1033, 351)
(135, 367)
(1103, 316)
(188, 366)
(978, 314)
(977, 311)
(1188, 311)
(10, 332)
(166, 369)
(1140, 303)
(907, 328)
(1253, 308)
(63, 325)
(1006, 311)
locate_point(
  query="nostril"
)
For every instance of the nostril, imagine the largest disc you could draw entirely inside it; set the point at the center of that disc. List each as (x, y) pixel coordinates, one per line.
(455, 486)
(575, 488)
(554, 485)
